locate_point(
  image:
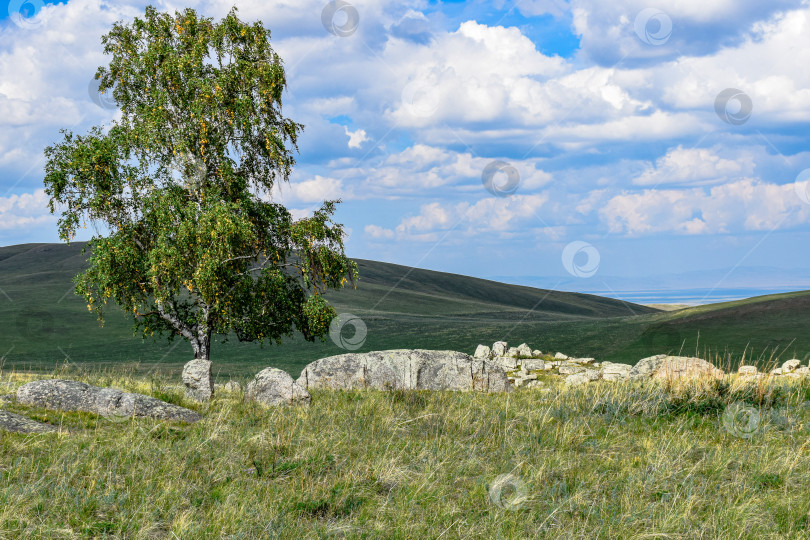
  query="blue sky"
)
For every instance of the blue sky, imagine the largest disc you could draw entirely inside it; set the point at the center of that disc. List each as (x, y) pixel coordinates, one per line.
(623, 143)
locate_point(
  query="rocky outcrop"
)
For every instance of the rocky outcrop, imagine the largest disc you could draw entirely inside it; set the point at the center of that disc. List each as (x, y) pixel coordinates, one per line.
(663, 366)
(411, 369)
(615, 372)
(20, 424)
(111, 403)
(198, 380)
(582, 377)
(482, 351)
(273, 387)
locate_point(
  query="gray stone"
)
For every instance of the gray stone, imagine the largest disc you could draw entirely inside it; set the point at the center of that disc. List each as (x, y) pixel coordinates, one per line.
(747, 370)
(523, 371)
(20, 424)
(505, 362)
(533, 363)
(615, 372)
(273, 386)
(410, 369)
(512, 352)
(198, 380)
(537, 352)
(570, 369)
(777, 371)
(482, 351)
(111, 403)
(561, 356)
(679, 367)
(791, 365)
(584, 361)
(499, 348)
(582, 377)
(524, 350)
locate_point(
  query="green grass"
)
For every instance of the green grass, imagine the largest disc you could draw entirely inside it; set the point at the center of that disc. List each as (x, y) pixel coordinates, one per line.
(43, 325)
(608, 460)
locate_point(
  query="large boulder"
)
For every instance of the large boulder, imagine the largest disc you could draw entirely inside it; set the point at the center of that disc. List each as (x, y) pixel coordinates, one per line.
(524, 350)
(506, 363)
(482, 351)
(21, 424)
(533, 363)
(499, 348)
(662, 366)
(615, 372)
(570, 369)
(583, 377)
(272, 386)
(198, 380)
(791, 365)
(409, 369)
(112, 403)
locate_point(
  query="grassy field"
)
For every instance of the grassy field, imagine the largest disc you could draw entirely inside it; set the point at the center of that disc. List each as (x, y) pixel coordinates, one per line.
(608, 460)
(43, 325)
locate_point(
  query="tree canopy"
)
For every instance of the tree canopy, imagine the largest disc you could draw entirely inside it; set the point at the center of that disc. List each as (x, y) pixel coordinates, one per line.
(193, 244)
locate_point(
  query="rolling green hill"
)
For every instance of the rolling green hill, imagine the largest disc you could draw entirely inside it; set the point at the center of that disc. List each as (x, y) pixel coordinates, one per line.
(44, 325)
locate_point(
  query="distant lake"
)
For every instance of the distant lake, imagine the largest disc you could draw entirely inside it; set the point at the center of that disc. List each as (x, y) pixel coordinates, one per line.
(688, 296)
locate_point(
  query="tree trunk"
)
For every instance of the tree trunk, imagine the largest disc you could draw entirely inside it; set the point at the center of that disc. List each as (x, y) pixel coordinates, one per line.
(202, 347)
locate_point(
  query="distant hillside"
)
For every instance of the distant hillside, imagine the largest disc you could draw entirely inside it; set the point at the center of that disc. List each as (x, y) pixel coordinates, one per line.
(43, 324)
